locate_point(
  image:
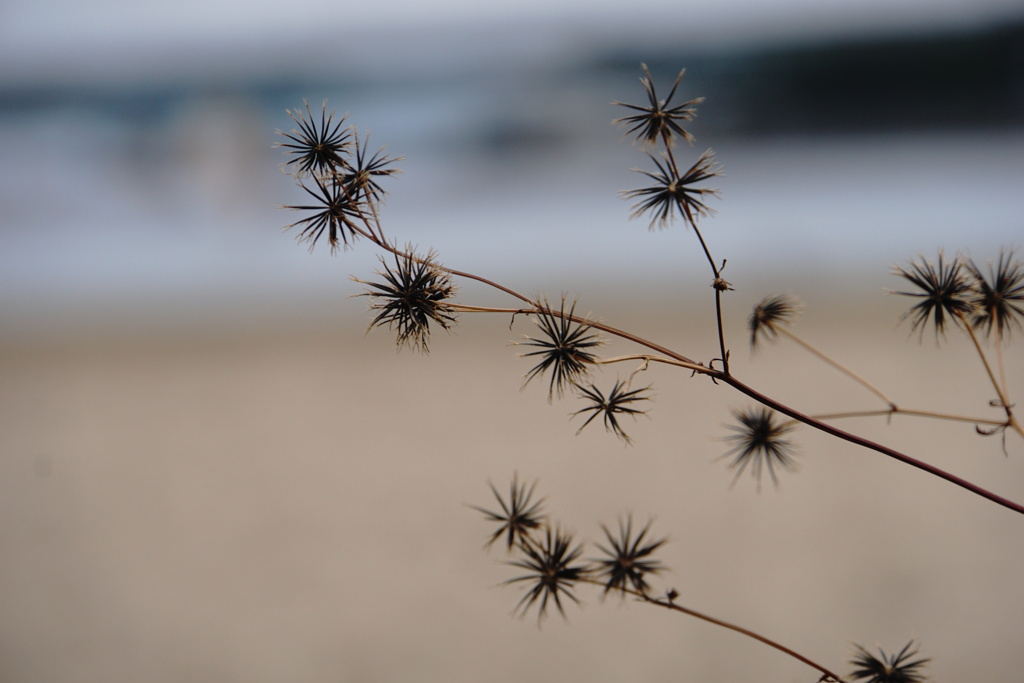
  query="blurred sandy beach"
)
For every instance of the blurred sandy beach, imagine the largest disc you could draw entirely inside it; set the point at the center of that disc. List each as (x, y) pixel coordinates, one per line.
(285, 499)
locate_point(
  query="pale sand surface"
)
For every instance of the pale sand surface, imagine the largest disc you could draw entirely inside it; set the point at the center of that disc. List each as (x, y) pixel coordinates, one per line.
(286, 501)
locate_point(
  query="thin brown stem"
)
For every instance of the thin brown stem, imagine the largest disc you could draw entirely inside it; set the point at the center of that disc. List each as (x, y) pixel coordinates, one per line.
(719, 284)
(721, 329)
(835, 364)
(867, 443)
(984, 360)
(1004, 400)
(666, 139)
(896, 410)
(466, 308)
(704, 246)
(724, 376)
(1002, 366)
(673, 357)
(670, 357)
(806, 419)
(651, 359)
(672, 605)
(383, 244)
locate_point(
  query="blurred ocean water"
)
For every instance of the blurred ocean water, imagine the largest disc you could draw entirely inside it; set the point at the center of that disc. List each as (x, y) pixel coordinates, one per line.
(128, 191)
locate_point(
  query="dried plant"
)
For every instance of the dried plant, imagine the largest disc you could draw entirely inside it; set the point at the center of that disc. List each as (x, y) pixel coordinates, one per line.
(565, 350)
(552, 571)
(997, 302)
(519, 516)
(619, 401)
(414, 295)
(658, 122)
(896, 668)
(418, 294)
(759, 442)
(944, 292)
(674, 191)
(627, 559)
(318, 149)
(771, 318)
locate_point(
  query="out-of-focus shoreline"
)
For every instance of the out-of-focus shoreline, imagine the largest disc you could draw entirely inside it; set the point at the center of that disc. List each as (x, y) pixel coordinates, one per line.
(275, 498)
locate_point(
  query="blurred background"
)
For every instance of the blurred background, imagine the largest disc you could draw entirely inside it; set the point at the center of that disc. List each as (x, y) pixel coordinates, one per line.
(208, 471)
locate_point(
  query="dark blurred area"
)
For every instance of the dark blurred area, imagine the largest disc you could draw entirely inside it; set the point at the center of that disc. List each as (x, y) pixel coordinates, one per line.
(946, 80)
(943, 81)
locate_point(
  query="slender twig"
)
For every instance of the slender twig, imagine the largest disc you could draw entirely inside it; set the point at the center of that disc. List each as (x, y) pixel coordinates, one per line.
(796, 415)
(718, 283)
(651, 359)
(984, 360)
(781, 329)
(672, 359)
(866, 443)
(466, 308)
(721, 330)
(672, 605)
(719, 286)
(1002, 366)
(451, 271)
(893, 407)
(723, 376)
(1004, 401)
(896, 410)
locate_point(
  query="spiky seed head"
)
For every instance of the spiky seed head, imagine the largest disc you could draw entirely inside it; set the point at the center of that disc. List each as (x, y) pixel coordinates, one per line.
(944, 292)
(769, 315)
(759, 442)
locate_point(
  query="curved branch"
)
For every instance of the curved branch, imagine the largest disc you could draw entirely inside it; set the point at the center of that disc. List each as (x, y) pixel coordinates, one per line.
(866, 443)
(889, 412)
(672, 605)
(727, 378)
